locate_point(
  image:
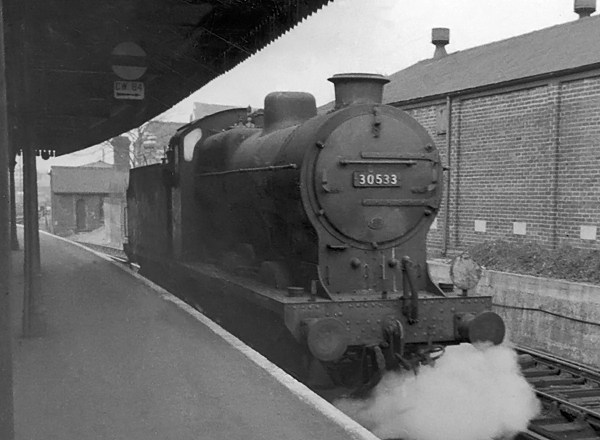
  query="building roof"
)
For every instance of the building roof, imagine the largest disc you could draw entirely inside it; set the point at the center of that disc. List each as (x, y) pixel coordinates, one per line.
(559, 49)
(98, 164)
(201, 109)
(87, 180)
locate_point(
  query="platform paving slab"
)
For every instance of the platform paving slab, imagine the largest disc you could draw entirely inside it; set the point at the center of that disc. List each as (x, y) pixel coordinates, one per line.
(118, 362)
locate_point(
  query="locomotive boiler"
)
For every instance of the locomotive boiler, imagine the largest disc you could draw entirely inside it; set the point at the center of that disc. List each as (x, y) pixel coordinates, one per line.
(319, 218)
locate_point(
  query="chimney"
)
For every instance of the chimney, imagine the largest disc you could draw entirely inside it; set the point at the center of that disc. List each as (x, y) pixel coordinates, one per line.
(440, 37)
(358, 88)
(585, 8)
(121, 152)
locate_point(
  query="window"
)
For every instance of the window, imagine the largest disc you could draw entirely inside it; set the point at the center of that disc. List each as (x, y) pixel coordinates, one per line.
(189, 143)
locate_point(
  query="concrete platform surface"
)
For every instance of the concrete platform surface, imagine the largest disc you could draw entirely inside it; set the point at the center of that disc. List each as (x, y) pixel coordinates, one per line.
(119, 362)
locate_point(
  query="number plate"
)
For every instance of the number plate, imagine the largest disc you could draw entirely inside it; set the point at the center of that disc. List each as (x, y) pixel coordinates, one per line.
(364, 179)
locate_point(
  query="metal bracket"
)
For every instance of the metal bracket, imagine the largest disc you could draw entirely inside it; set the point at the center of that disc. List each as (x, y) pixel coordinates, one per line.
(411, 295)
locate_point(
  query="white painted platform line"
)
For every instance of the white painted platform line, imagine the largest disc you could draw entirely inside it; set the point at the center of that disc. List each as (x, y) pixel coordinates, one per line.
(354, 429)
(79, 245)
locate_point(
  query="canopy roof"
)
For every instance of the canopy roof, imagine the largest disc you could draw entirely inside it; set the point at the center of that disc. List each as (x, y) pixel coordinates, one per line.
(60, 56)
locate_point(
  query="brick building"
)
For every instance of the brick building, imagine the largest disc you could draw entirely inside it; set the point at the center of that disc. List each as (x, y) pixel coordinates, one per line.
(518, 123)
(79, 195)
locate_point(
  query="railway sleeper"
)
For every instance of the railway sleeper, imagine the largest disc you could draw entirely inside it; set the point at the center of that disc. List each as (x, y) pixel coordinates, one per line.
(575, 395)
(580, 393)
(530, 373)
(544, 382)
(557, 428)
(561, 421)
(591, 402)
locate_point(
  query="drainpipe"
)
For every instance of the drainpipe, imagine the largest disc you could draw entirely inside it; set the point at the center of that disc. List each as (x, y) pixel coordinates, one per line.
(556, 170)
(448, 163)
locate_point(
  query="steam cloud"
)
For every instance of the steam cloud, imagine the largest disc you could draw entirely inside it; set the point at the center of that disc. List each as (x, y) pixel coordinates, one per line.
(472, 393)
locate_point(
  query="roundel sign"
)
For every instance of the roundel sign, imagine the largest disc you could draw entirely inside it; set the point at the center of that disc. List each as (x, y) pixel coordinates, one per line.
(129, 61)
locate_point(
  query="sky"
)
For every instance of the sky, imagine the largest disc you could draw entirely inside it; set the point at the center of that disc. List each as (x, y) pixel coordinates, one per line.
(372, 36)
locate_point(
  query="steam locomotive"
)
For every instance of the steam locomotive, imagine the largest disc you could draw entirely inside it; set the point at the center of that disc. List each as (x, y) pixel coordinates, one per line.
(317, 223)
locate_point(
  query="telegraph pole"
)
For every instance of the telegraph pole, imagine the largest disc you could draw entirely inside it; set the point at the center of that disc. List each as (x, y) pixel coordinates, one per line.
(7, 428)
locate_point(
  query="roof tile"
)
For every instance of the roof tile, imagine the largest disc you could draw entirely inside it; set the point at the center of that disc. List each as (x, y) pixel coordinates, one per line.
(88, 180)
(555, 49)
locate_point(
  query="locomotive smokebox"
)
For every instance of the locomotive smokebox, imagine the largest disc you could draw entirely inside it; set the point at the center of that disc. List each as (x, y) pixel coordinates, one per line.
(484, 327)
(358, 88)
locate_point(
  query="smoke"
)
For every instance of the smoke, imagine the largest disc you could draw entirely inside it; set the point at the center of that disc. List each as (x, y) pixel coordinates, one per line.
(472, 393)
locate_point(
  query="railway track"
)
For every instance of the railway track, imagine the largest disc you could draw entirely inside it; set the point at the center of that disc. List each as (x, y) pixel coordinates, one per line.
(569, 391)
(570, 396)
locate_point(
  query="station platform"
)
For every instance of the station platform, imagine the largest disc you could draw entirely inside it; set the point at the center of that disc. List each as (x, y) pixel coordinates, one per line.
(120, 359)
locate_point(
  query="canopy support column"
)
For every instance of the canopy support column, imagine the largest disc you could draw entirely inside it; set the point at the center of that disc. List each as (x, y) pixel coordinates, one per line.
(31, 264)
(14, 240)
(7, 424)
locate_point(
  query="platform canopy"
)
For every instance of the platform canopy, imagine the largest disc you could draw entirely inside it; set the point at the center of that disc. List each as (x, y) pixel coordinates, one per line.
(82, 71)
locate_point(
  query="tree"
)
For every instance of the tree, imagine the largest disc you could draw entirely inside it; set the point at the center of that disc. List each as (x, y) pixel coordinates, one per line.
(147, 143)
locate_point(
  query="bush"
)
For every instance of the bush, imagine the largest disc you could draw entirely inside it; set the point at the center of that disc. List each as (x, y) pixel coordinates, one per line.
(530, 258)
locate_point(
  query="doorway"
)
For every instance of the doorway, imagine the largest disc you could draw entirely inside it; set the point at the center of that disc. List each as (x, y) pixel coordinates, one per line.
(80, 215)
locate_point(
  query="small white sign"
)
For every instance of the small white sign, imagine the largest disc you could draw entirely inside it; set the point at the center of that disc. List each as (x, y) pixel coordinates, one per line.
(520, 228)
(588, 232)
(480, 225)
(434, 225)
(129, 90)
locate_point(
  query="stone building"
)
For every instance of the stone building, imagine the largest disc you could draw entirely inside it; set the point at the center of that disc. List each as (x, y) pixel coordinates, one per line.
(79, 194)
(201, 110)
(518, 124)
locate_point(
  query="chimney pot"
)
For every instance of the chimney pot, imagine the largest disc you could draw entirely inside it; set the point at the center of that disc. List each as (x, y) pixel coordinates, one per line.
(121, 152)
(585, 8)
(440, 37)
(358, 88)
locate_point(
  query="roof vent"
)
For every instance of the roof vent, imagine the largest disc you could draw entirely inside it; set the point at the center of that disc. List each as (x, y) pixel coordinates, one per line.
(585, 8)
(440, 37)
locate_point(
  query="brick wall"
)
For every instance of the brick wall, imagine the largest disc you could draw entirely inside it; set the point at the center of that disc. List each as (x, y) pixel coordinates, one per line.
(524, 164)
(114, 211)
(427, 117)
(579, 164)
(64, 218)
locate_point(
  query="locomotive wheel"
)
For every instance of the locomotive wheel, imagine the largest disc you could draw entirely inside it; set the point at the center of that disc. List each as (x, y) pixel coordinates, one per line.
(274, 274)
